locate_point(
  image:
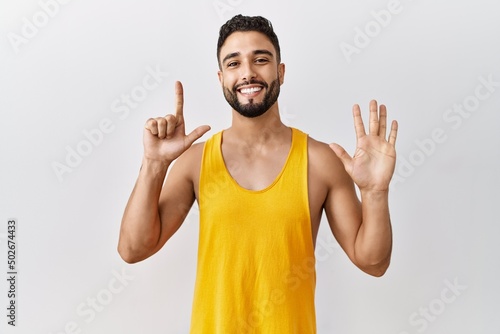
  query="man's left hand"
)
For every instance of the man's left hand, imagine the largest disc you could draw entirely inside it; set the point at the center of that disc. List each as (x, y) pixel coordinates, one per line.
(373, 163)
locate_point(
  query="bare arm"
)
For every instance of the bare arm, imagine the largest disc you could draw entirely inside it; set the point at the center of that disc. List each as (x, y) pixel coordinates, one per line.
(157, 208)
(374, 240)
(364, 229)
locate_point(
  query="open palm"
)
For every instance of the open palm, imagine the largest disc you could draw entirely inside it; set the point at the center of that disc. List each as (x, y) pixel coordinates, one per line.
(372, 165)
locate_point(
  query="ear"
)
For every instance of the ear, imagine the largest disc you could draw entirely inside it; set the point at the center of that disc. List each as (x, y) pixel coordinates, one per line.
(219, 74)
(281, 71)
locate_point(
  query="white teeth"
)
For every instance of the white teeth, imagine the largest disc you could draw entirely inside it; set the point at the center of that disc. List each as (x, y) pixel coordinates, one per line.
(251, 90)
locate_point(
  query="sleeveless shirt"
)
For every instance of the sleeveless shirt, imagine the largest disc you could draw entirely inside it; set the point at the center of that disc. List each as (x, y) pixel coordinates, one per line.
(256, 265)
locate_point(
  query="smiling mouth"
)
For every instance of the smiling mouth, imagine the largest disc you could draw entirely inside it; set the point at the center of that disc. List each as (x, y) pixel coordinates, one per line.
(250, 91)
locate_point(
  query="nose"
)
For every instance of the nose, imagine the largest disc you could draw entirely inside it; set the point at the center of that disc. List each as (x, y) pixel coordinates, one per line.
(247, 71)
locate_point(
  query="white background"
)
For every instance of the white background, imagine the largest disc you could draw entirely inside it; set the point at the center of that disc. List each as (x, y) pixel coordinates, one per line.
(63, 78)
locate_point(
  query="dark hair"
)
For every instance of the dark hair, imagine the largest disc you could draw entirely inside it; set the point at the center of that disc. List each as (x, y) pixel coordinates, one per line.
(248, 23)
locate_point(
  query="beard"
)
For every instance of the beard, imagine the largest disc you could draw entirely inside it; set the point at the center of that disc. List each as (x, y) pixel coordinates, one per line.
(252, 109)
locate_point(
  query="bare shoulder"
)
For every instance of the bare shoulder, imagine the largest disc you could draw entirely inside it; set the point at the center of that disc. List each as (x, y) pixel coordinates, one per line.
(193, 153)
(318, 148)
(323, 162)
(189, 162)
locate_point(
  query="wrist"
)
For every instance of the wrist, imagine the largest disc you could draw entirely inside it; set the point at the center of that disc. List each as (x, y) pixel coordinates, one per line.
(154, 165)
(374, 194)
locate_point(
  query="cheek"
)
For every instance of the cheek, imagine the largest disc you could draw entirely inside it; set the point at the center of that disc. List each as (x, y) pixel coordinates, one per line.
(229, 84)
(224, 81)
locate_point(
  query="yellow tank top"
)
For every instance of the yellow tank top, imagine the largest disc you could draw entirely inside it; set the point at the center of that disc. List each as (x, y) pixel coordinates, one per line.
(256, 265)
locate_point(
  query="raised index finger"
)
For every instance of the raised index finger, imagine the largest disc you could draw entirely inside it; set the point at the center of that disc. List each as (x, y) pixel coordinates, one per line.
(179, 99)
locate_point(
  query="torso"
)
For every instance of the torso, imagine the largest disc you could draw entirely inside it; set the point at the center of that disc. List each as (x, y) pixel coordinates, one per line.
(256, 168)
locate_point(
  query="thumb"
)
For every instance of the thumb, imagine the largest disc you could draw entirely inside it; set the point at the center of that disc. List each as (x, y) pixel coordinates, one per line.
(342, 155)
(197, 133)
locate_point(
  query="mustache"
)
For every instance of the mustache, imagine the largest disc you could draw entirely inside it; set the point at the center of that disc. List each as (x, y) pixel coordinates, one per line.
(251, 82)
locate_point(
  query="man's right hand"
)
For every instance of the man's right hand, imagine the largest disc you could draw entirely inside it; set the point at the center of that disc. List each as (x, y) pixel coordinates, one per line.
(165, 138)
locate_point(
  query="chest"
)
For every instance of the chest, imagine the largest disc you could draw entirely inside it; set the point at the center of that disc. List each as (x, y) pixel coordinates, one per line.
(255, 168)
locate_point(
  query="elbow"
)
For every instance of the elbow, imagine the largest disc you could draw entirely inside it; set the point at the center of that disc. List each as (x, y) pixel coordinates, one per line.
(127, 256)
(131, 255)
(377, 269)
(133, 250)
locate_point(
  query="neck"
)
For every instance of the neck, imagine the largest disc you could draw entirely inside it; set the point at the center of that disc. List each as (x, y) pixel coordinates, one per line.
(261, 129)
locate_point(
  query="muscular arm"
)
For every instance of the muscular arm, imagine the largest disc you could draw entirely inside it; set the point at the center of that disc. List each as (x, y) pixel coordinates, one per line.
(157, 207)
(373, 246)
(363, 229)
(141, 227)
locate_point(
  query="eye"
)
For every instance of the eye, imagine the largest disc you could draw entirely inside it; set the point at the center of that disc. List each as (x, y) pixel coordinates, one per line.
(232, 64)
(261, 60)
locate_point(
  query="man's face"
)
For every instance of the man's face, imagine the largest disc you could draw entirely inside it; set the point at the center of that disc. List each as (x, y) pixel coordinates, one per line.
(250, 75)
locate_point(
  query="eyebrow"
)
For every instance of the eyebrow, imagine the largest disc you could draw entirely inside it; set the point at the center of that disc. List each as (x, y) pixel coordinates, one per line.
(255, 52)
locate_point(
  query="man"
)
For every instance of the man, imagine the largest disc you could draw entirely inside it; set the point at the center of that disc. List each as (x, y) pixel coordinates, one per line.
(261, 188)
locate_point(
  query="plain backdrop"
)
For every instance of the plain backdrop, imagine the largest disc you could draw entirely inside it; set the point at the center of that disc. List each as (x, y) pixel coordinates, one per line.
(78, 80)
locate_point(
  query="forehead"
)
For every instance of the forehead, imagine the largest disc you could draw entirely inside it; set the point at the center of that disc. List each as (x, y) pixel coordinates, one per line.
(246, 42)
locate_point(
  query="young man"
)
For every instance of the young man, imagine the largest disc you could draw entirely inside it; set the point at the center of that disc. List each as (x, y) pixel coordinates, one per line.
(261, 187)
